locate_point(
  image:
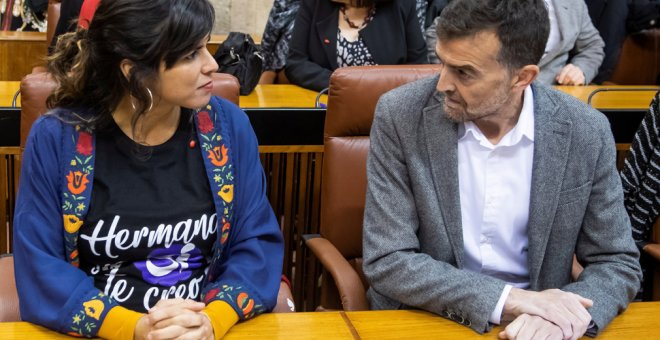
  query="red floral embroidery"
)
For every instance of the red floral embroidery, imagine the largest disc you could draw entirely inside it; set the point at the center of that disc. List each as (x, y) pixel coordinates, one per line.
(211, 294)
(205, 123)
(84, 146)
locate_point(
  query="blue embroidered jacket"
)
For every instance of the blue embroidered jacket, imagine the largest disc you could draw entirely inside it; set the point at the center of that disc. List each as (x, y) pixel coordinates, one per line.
(54, 194)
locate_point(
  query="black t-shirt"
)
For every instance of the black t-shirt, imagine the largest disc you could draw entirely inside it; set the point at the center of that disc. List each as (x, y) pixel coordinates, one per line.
(151, 223)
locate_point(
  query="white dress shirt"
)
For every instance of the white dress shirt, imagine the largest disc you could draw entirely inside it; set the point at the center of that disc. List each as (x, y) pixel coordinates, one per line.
(495, 184)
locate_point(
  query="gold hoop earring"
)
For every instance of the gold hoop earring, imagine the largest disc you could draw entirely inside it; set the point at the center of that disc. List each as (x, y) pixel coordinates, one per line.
(151, 100)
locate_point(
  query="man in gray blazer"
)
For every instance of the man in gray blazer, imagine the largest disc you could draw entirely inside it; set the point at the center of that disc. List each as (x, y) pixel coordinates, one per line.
(482, 186)
(574, 49)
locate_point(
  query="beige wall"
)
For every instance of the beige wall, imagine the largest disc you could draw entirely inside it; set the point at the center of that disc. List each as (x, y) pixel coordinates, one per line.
(241, 15)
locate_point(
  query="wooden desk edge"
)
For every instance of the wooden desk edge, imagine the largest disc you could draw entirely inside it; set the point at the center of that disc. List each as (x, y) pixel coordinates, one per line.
(22, 36)
(638, 321)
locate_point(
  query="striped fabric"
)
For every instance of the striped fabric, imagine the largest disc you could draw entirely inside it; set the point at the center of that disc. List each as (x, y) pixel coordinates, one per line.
(641, 175)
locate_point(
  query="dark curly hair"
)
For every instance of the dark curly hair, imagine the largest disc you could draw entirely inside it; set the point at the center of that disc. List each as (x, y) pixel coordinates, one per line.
(86, 63)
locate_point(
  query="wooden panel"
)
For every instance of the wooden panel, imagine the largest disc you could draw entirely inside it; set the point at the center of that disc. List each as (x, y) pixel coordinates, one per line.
(4, 211)
(290, 148)
(20, 52)
(293, 188)
(9, 171)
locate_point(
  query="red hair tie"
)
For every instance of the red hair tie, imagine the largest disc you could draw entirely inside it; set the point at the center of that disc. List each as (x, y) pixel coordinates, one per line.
(87, 13)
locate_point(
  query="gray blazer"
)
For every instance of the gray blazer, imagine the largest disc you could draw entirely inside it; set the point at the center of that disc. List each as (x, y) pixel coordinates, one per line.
(580, 43)
(413, 241)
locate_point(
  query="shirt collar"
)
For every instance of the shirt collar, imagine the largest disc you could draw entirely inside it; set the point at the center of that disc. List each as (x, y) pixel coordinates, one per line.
(524, 127)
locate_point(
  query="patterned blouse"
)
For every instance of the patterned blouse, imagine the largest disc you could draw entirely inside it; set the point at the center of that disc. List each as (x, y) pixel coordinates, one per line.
(352, 53)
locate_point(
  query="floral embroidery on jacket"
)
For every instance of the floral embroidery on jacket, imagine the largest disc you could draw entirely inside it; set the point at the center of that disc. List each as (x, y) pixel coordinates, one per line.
(79, 154)
(77, 189)
(87, 321)
(237, 297)
(222, 174)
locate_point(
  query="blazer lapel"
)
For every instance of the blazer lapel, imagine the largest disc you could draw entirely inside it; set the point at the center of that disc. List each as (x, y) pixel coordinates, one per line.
(441, 142)
(566, 27)
(373, 34)
(552, 138)
(327, 29)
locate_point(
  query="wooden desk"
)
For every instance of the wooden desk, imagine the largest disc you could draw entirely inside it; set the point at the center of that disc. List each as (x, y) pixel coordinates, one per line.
(26, 330)
(311, 325)
(263, 96)
(640, 321)
(292, 96)
(7, 91)
(20, 52)
(614, 99)
(330, 325)
(280, 95)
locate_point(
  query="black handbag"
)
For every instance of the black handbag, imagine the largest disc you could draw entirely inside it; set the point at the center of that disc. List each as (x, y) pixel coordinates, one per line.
(239, 56)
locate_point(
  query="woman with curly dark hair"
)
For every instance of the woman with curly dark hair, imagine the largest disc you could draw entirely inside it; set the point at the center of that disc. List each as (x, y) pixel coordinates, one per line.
(142, 209)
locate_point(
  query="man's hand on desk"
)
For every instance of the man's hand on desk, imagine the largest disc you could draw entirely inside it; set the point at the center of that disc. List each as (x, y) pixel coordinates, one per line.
(527, 326)
(566, 310)
(570, 75)
(175, 319)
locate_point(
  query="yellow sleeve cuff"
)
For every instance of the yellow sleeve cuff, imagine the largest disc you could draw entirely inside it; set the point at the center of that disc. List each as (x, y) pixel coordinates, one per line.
(119, 323)
(222, 317)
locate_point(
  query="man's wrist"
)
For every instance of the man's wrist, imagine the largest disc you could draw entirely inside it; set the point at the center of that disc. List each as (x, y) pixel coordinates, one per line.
(498, 313)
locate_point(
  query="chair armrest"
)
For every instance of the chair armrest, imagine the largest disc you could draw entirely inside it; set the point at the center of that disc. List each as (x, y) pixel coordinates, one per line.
(9, 304)
(351, 290)
(653, 249)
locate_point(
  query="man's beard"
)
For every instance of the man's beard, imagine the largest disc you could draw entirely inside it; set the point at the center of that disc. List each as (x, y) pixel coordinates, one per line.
(462, 114)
